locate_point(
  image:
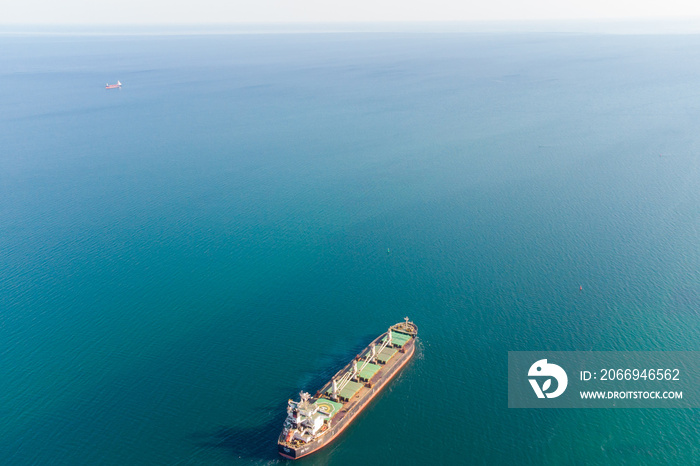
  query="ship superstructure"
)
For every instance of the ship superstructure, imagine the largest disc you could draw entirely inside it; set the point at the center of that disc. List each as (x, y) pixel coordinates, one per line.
(313, 422)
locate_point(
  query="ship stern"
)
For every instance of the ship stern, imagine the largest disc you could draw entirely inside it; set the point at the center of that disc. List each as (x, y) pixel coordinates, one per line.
(287, 452)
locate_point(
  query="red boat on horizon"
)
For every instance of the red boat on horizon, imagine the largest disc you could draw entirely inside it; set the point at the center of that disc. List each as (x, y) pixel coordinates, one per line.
(113, 86)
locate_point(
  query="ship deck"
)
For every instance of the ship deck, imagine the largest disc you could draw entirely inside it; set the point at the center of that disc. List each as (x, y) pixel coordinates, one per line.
(356, 395)
(384, 373)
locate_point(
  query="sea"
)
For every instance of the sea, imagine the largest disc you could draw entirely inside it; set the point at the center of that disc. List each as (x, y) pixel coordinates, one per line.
(181, 256)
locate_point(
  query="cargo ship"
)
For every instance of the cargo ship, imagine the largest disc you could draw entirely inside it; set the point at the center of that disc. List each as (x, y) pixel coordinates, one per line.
(113, 86)
(315, 421)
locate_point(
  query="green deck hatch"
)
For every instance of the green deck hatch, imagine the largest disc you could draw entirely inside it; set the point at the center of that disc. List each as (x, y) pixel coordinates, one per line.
(369, 371)
(398, 339)
(349, 391)
(386, 354)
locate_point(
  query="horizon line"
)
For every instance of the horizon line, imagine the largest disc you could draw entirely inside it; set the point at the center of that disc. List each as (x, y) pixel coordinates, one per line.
(669, 25)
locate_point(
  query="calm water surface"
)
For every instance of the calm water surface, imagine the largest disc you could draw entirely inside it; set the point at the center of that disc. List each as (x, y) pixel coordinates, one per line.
(179, 257)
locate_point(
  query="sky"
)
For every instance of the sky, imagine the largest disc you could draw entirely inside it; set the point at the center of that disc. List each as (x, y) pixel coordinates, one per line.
(263, 11)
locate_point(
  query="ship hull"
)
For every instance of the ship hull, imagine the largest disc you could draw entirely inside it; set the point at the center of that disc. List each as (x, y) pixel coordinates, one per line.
(353, 407)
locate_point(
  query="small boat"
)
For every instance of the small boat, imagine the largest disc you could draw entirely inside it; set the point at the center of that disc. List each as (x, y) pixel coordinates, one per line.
(113, 86)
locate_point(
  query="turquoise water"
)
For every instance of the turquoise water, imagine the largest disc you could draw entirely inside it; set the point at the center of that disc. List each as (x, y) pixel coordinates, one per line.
(181, 256)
